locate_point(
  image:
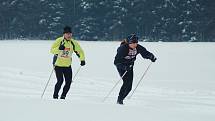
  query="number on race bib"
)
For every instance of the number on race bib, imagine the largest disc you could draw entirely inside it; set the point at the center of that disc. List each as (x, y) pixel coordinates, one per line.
(65, 53)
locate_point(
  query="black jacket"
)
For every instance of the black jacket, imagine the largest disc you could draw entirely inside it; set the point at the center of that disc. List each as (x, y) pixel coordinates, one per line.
(126, 56)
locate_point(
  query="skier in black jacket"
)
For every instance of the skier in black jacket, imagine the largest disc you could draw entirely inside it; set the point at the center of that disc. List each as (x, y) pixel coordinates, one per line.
(124, 61)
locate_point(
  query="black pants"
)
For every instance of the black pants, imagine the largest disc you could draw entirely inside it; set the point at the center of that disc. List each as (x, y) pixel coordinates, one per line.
(127, 82)
(61, 74)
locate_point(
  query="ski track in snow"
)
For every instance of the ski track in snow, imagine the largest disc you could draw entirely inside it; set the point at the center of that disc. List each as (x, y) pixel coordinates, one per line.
(29, 84)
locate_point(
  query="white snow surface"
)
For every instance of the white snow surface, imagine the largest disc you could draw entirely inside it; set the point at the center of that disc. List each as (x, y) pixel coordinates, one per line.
(180, 86)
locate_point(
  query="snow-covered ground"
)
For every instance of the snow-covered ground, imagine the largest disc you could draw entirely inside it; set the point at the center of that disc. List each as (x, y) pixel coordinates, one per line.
(180, 86)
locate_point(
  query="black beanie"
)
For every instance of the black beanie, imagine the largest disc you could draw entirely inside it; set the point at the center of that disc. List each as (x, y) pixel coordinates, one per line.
(132, 38)
(67, 29)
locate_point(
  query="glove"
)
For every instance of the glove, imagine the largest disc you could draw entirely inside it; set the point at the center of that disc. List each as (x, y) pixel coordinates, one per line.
(128, 68)
(82, 63)
(153, 59)
(61, 47)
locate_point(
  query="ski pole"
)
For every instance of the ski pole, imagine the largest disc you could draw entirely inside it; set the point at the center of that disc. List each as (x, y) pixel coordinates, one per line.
(76, 73)
(47, 83)
(114, 86)
(140, 80)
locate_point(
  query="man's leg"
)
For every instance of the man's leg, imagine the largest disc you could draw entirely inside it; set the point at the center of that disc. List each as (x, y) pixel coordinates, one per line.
(59, 76)
(68, 81)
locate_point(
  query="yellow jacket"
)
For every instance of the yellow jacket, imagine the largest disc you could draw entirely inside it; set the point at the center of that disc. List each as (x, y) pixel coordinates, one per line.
(64, 58)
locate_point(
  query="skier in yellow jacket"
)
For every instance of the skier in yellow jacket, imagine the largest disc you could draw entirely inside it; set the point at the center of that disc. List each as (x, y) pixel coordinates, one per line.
(62, 49)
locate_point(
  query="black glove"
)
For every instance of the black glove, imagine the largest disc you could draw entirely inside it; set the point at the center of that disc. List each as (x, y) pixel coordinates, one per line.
(82, 63)
(129, 67)
(61, 47)
(153, 59)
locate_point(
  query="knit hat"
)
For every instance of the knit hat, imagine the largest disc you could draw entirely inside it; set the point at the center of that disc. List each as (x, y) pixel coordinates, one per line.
(67, 29)
(132, 38)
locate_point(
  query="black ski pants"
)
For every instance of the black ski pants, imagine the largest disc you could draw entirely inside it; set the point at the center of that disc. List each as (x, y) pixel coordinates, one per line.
(127, 82)
(61, 74)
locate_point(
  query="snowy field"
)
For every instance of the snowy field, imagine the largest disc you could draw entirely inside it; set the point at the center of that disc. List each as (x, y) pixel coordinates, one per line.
(180, 86)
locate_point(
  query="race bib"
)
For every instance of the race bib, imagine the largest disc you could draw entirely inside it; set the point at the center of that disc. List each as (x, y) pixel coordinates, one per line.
(65, 53)
(131, 54)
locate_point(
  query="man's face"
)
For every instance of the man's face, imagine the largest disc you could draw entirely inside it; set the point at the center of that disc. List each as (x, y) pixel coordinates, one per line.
(68, 36)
